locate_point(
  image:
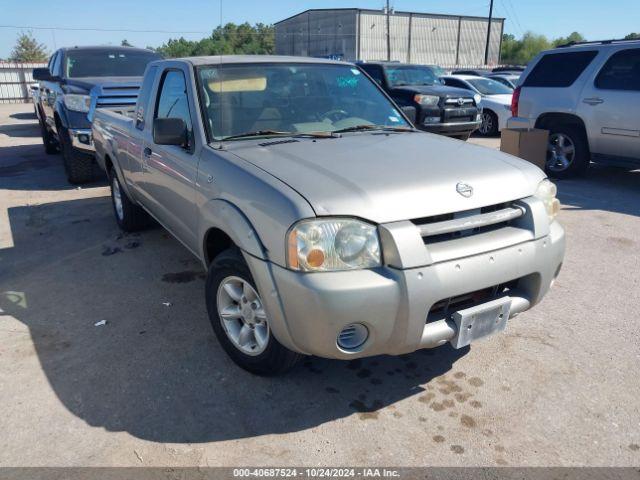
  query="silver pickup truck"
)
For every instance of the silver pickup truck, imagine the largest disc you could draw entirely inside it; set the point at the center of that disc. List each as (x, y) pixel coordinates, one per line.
(328, 225)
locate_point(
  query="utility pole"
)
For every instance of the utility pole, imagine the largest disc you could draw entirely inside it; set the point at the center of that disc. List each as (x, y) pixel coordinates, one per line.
(486, 50)
(388, 12)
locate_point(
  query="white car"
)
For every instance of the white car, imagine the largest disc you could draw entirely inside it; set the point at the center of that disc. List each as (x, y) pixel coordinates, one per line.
(495, 103)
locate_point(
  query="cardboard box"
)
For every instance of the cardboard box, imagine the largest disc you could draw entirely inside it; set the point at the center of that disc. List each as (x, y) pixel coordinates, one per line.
(527, 143)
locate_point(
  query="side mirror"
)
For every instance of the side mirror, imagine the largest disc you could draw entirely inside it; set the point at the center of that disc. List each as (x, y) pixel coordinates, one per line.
(42, 75)
(169, 131)
(410, 112)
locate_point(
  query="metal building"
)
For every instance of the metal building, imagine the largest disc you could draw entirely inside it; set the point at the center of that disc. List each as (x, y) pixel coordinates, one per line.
(360, 34)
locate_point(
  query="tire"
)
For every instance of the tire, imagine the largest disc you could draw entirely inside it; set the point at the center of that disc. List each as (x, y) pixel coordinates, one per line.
(49, 142)
(79, 166)
(129, 216)
(267, 357)
(489, 125)
(567, 152)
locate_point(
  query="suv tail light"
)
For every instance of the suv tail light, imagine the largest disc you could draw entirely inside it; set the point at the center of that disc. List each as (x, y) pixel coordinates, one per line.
(515, 99)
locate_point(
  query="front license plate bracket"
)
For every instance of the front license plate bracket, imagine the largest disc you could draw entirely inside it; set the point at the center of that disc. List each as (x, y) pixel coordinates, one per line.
(480, 321)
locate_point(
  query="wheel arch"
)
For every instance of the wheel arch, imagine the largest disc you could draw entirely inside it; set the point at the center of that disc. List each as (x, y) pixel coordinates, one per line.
(547, 120)
(223, 225)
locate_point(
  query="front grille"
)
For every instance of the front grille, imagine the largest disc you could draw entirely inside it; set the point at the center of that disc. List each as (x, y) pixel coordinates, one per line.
(455, 102)
(447, 306)
(449, 226)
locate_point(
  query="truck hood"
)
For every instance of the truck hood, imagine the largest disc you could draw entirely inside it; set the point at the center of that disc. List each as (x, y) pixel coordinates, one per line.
(440, 90)
(391, 177)
(85, 84)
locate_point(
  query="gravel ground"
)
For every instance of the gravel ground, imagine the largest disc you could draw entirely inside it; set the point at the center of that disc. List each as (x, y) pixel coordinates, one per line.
(152, 387)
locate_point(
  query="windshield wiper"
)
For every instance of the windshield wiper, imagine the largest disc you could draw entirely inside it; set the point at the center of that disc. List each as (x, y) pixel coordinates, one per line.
(385, 128)
(279, 133)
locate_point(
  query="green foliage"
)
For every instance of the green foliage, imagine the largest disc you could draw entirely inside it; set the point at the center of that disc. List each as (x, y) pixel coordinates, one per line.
(27, 49)
(519, 52)
(226, 40)
(125, 43)
(633, 36)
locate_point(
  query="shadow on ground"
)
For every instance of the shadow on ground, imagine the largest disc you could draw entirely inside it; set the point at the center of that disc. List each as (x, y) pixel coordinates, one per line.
(155, 369)
(602, 188)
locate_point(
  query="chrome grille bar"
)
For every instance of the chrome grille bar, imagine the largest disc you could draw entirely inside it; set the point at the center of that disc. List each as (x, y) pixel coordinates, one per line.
(468, 223)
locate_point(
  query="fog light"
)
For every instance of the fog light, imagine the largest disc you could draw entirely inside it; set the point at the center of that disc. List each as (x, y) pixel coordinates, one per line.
(352, 336)
(84, 138)
(431, 119)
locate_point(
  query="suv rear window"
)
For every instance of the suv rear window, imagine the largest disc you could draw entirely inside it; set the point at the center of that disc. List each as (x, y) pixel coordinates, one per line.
(621, 72)
(559, 69)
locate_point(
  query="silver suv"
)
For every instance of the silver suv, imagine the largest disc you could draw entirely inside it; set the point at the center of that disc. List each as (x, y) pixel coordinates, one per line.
(587, 95)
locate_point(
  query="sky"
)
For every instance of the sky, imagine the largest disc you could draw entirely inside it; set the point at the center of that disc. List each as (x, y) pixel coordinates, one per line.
(153, 22)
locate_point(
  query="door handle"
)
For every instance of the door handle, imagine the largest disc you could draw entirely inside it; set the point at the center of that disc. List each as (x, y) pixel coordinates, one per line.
(593, 101)
(147, 152)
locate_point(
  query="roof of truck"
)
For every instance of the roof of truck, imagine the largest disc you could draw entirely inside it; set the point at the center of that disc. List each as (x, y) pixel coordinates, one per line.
(224, 59)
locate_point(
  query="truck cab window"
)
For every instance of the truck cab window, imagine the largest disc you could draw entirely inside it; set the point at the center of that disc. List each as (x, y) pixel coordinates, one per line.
(173, 101)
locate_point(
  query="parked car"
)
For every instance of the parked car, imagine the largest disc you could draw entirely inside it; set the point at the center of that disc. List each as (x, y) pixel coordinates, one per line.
(495, 100)
(508, 79)
(327, 224)
(439, 108)
(588, 96)
(77, 81)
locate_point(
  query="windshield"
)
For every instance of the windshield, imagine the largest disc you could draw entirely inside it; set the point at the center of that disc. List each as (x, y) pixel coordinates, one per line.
(407, 75)
(107, 63)
(486, 86)
(299, 98)
(438, 71)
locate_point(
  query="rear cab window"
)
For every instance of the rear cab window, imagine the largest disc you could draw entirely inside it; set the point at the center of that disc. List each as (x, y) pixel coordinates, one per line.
(559, 69)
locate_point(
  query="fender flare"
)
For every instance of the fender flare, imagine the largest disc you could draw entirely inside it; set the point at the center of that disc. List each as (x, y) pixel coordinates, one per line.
(223, 215)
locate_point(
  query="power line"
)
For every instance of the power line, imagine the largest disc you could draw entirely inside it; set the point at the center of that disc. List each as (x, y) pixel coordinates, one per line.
(80, 29)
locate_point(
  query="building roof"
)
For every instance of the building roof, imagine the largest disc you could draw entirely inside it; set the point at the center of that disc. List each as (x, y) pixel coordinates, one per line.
(370, 10)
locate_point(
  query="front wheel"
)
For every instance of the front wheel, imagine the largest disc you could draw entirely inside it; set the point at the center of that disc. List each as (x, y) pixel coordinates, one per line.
(50, 144)
(239, 318)
(77, 165)
(489, 125)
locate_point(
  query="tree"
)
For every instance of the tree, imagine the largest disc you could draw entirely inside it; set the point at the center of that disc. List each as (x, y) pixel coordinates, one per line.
(633, 36)
(125, 43)
(224, 40)
(27, 49)
(574, 37)
(520, 52)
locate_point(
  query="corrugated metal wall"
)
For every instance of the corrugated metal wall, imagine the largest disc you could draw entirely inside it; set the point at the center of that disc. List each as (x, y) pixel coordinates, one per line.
(15, 80)
(415, 37)
(319, 34)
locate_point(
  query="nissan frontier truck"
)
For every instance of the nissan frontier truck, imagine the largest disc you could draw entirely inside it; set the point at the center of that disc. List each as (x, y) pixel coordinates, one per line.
(327, 223)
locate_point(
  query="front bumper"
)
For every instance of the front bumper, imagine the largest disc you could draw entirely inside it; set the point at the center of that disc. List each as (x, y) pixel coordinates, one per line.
(82, 139)
(451, 128)
(308, 310)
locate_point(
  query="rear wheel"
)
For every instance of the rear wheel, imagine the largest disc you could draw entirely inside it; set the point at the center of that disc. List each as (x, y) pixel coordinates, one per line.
(567, 151)
(239, 318)
(489, 125)
(129, 216)
(50, 144)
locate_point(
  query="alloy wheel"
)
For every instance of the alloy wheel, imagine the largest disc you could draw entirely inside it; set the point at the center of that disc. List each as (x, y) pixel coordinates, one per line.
(242, 315)
(117, 197)
(487, 123)
(560, 152)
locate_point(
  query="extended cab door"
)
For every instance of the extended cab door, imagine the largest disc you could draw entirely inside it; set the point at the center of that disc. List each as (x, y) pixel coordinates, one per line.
(51, 90)
(610, 106)
(169, 171)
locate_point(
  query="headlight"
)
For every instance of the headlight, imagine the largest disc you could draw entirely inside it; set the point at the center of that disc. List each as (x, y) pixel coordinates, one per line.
(546, 192)
(427, 100)
(331, 244)
(77, 103)
(477, 98)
